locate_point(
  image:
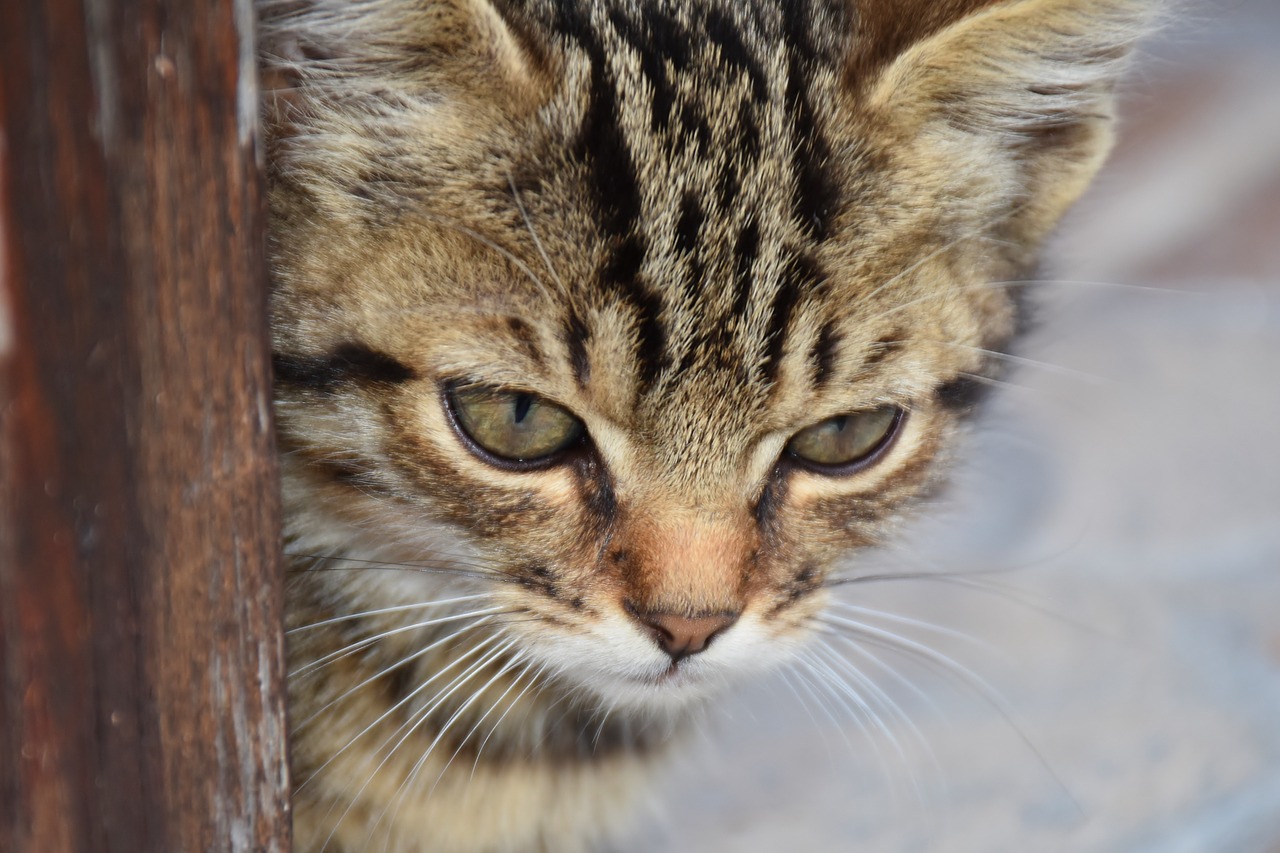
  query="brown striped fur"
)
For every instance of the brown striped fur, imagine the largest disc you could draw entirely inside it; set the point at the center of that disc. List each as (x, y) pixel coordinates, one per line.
(699, 226)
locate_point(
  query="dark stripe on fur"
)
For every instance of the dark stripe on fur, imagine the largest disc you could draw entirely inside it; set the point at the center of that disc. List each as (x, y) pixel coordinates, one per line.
(694, 128)
(536, 576)
(651, 339)
(775, 337)
(728, 185)
(595, 490)
(815, 200)
(601, 146)
(747, 142)
(745, 251)
(350, 362)
(962, 394)
(575, 337)
(656, 39)
(823, 354)
(800, 276)
(689, 225)
(734, 53)
(885, 346)
(527, 339)
(623, 275)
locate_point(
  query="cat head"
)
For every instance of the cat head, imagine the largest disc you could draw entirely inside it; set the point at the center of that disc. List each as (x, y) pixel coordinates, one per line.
(642, 314)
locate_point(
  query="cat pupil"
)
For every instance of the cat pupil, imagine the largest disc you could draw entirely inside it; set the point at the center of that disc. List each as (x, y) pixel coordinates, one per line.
(522, 403)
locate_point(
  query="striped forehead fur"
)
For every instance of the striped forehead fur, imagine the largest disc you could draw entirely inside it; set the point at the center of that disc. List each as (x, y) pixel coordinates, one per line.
(722, 191)
(704, 234)
(695, 140)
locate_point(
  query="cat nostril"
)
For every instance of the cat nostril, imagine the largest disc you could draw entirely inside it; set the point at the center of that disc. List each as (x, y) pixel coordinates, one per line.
(682, 636)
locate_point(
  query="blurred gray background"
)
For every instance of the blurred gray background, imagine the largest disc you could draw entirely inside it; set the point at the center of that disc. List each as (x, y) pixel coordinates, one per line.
(1117, 532)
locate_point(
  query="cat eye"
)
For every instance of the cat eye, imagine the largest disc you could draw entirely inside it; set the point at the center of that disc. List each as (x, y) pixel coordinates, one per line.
(846, 443)
(511, 426)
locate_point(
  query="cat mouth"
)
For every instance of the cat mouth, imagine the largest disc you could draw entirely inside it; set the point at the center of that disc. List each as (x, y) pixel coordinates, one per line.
(670, 673)
(675, 676)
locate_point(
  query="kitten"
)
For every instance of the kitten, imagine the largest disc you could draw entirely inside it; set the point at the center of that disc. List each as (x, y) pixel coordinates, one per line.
(602, 329)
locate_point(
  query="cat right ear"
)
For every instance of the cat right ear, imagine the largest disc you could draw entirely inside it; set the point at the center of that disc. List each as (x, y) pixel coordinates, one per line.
(1022, 88)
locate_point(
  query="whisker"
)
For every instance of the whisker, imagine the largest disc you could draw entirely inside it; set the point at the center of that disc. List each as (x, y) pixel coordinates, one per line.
(460, 559)
(397, 796)
(604, 718)
(452, 686)
(942, 294)
(399, 608)
(885, 701)
(1032, 282)
(874, 690)
(1048, 367)
(1085, 283)
(939, 775)
(375, 565)
(338, 654)
(479, 623)
(920, 650)
(930, 575)
(1012, 595)
(893, 672)
(980, 232)
(480, 749)
(961, 674)
(939, 573)
(545, 730)
(528, 223)
(977, 580)
(809, 690)
(918, 623)
(859, 719)
(517, 660)
(997, 382)
(421, 717)
(409, 698)
(391, 567)
(490, 244)
(785, 676)
(864, 706)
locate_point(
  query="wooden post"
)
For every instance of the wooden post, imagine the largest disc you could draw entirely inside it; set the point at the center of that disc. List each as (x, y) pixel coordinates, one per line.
(141, 665)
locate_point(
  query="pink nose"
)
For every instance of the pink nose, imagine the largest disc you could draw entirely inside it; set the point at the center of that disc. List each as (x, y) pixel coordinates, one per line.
(682, 636)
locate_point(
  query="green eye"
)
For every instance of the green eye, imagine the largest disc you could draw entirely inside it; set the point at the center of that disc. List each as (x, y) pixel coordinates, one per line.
(847, 443)
(512, 425)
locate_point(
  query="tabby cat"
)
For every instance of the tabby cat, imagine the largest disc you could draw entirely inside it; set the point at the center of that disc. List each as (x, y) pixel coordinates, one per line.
(602, 329)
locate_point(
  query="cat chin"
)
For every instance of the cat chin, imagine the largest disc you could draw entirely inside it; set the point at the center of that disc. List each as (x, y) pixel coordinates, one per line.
(627, 674)
(658, 698)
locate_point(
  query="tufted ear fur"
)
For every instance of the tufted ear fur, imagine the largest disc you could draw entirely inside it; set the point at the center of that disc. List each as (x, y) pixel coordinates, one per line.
(1019, 93)
(382, 53)
(352, 86)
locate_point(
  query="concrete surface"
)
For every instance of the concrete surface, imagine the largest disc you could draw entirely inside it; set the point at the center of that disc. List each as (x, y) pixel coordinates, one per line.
(1117, 533)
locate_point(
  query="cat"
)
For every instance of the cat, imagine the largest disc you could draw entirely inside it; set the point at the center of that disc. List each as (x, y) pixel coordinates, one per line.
(602, 329)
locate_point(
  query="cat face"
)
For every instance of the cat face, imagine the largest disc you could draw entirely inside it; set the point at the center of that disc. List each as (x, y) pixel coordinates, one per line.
(639, 320)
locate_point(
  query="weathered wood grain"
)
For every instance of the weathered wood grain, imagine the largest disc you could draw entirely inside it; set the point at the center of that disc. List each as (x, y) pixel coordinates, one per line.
(141, 666)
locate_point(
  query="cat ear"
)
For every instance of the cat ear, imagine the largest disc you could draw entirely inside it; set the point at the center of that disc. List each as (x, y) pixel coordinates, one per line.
(1023, 86)
(345, 46)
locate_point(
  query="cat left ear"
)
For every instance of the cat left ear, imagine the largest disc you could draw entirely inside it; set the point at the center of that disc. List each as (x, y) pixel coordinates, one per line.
(1027, 83)
(341, 44)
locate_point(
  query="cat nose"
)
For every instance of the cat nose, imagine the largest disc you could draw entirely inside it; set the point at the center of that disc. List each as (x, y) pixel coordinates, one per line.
(682, 636)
